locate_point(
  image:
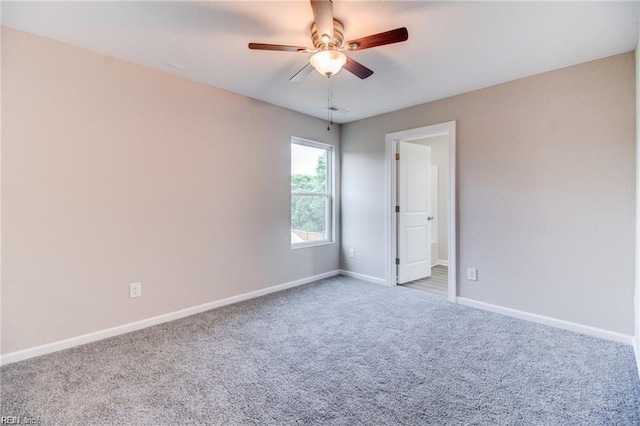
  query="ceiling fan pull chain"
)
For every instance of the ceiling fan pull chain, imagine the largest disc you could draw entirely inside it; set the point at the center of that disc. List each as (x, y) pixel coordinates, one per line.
(329, 118)
(330, 101)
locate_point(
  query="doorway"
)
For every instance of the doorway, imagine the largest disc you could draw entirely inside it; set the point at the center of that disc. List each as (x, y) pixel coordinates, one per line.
(439, 249)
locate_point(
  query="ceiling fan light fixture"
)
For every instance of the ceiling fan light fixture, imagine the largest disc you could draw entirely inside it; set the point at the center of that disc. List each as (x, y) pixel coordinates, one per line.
(328, 62)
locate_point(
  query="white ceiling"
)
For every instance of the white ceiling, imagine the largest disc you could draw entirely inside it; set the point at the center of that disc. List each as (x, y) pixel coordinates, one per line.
(453, 47)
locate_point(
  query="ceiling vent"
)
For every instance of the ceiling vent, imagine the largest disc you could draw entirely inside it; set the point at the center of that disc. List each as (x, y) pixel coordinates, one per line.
(337, 109)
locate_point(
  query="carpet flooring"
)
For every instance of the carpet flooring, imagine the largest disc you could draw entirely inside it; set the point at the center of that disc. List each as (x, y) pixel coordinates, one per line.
(340, 352)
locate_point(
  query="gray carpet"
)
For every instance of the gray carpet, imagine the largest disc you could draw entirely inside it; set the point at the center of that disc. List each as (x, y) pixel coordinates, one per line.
(339, 351)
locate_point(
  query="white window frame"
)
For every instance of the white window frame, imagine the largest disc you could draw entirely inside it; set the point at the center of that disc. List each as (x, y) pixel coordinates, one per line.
(329, 194)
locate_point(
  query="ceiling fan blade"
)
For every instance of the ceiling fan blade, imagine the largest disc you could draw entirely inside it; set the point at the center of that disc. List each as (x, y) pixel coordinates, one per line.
(304, 71)
(388, 37)
(357, 69)
(278, 47)
(323, 17)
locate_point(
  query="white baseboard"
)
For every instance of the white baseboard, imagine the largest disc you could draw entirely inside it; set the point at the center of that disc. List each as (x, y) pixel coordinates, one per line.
(127, 328)
(553, 322)
(363, 277)
(443, 262)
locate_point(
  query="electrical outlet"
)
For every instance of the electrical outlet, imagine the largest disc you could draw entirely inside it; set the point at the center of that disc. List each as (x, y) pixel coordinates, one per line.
(352, 252)
(472, 274)
(135, 290)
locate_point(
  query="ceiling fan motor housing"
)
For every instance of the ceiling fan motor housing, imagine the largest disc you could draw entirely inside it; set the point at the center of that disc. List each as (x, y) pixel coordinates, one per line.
(334, 43)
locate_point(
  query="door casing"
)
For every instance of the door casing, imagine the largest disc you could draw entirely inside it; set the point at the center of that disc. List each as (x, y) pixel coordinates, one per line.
(391, 139)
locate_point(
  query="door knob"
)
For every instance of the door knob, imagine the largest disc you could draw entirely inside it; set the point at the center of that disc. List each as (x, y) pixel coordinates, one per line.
(430, 218)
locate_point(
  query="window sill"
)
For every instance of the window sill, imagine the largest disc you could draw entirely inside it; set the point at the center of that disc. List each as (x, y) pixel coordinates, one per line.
(311, 244)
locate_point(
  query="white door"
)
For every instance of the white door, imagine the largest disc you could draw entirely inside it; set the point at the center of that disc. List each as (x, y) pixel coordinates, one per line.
(414, 201)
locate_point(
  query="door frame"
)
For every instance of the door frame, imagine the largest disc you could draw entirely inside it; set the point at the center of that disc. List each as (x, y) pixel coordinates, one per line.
(391, 139)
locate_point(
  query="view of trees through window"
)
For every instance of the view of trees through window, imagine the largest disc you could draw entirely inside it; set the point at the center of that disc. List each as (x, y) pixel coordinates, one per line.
(310, 196)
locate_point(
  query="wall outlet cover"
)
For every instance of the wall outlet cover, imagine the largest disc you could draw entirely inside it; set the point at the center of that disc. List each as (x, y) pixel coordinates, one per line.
(472, 274)
(135, 290)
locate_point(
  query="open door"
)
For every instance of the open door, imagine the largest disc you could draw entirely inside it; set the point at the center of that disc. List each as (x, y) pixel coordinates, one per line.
(414, 212)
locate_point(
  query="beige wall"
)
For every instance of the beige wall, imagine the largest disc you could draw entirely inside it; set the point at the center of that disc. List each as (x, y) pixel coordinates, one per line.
(637, 294)
(546, 191)
(113, 173)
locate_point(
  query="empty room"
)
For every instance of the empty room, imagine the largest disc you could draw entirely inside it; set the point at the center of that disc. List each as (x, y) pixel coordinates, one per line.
(319, 212)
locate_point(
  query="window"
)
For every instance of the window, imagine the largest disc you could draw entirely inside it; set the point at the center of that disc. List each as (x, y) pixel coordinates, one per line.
(311, 193)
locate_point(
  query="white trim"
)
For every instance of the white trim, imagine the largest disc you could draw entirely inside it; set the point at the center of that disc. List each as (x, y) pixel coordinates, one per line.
(553, 322)
(391, 139)
(363, 277)
(443, 262)
(330, 193)
(314, 243)
(127, 328)
(636, 299)
(389, 213)
(636, 351)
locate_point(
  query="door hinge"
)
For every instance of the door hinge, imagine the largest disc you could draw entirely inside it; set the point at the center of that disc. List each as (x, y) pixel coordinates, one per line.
(397, 261)
(397, 155)
(397, 209)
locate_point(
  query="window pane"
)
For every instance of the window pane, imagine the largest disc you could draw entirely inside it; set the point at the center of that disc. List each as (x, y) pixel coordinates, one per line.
(308, 218)
(308, 169)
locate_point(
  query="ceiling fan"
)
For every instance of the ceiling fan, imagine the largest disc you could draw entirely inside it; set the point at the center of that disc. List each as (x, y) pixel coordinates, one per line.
(327, 36)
